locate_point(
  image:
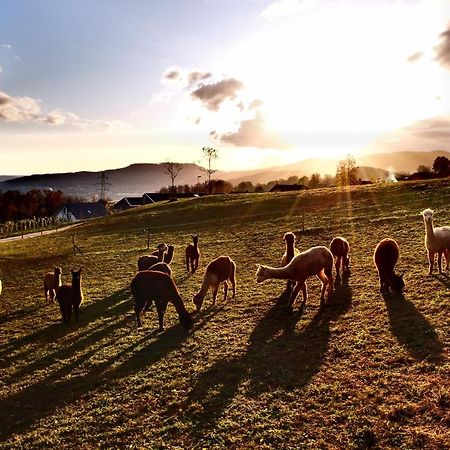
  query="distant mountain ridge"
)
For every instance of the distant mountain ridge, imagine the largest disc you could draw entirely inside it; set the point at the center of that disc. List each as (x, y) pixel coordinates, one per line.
(147, 177)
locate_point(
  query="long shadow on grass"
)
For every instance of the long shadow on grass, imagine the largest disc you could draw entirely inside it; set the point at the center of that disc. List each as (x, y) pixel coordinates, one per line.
(88, 364)
(277, 356)
(412, 329)
(443, 278)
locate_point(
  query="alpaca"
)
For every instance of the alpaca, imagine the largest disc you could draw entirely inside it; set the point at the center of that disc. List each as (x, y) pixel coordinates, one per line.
(340, 248)
(385, 258)
(168, 256)
(162, 247)
(70, 297)
(52, 281)
(218, 271)
(437, 240)
(150, 285)
(290, 252)
(315, 261)
(0, 286)
(146, 261)
(162, 267)
(192, 254)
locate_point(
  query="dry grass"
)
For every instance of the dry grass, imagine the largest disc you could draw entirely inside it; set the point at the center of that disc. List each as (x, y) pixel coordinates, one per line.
(365, 371)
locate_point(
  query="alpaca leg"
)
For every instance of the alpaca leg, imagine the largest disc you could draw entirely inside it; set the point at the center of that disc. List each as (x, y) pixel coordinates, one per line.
(138, 311)
(76, 309)
(430, 261)
(46, 295)
(225, 290)
(337, 264)
(324, 279)
(195, 265)
(296, 290)
(347, 264)
(440, 261)
(62, 309)
(52, 295)
(161, 306)
(447, 258)
(187, 263)
(233, 283)
(215, 288)
(69, 311)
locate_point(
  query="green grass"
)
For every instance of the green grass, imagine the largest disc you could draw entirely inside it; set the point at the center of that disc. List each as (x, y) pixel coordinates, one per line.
(363, 371)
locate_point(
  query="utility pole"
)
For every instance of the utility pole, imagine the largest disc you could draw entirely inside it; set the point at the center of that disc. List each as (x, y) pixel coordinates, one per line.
(103, 183)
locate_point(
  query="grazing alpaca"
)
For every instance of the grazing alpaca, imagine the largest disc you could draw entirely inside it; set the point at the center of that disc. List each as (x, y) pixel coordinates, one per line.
(162, 267)
(315, 261)
(218, 271)
(437, 240)
(149, 285)
(70, 297)
(52, 281)
(146, 261)
(168, 256)
(385, 258)
(192, 254)
(340, 248)
(290, 252)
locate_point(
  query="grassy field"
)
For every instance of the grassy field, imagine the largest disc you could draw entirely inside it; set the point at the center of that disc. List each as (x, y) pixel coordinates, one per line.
(364, 371)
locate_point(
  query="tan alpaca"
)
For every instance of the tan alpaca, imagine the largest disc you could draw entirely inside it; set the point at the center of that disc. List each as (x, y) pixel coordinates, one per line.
(52, 281)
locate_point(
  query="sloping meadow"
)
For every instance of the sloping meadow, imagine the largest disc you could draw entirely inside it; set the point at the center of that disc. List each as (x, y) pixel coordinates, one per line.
(363, 371)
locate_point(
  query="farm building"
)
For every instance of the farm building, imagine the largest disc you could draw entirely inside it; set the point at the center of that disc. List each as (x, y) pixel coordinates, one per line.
(127, 203)
(74, 212)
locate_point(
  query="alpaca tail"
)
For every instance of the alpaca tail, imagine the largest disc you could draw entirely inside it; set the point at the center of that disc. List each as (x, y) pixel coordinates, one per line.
(185, 318)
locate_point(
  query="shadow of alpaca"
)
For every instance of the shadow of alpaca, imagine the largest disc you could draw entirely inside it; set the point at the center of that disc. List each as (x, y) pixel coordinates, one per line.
(66, 383)
(443, 278)
(277, 357)
(412, 329)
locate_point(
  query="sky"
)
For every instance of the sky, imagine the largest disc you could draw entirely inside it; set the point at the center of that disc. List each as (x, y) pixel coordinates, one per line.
(92, 85)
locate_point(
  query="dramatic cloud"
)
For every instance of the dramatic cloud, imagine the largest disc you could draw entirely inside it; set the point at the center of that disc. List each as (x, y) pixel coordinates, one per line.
(443, 49)
(252, 133)
(282, 8)
(213, 95)
(434, 128)
(27, 109)
(414, 57)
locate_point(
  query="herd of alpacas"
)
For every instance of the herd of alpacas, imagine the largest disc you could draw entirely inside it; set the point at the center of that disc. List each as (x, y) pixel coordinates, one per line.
(154, 283)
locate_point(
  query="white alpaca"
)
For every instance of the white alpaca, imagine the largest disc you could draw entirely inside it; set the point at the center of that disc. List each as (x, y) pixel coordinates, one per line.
(218, 271)
(315, 261)
(437, 240)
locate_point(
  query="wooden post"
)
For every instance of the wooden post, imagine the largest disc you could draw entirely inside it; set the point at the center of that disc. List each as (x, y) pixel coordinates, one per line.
(75, 246)
(148, 237)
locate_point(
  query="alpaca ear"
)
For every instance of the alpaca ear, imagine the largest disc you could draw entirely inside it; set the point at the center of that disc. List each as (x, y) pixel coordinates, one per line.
(403, 273)
(81, 268)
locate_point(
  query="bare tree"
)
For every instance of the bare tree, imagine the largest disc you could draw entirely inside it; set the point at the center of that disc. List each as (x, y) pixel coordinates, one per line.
(210, 154)
(346, 171)
(173, 169)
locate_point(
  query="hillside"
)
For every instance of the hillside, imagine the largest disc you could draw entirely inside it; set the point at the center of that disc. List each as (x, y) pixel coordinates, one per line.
(139, 178)
(364, 371)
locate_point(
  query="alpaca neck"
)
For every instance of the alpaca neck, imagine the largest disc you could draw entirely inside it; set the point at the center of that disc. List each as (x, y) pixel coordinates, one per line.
(429, 228)
(289, 250)
(204, 287)
(161, 255)
(57, 280)
(279, 273)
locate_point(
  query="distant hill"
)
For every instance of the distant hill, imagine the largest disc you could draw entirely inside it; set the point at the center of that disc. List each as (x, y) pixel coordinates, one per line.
(138, 178)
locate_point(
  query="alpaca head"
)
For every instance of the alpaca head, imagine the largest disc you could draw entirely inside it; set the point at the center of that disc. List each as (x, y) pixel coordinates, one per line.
(427, 215)
(289, 238)
(162, 247)
(261, 274)
(194, 239)
(398, 284)
(170, 249)
(57, 271)
(76, 277)
(198, 301)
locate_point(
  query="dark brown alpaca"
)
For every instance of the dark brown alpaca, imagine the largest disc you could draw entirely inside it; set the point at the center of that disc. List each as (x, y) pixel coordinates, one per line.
(148, 286)
(168, 256)
(52, 281)
(341, 250)
(192, 255)
(147, 261)
(290, 252)
(385, 258)
(70, 297)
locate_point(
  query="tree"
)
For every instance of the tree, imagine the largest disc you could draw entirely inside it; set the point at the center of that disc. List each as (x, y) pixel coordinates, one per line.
(346, 171)
(245, 186)
(173, 169)
(423, 169)
(210, 154)
(314, 181)
(441, 166)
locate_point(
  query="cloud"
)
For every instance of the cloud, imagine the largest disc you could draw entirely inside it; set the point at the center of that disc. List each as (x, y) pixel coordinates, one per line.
(282, 8)
(214, 94)
(414, 57)
(7, 46)
(196, 76)
(1, 69)
(172, 74)
(28, 110)
(433, 128)
(443, 49)
(252, 133)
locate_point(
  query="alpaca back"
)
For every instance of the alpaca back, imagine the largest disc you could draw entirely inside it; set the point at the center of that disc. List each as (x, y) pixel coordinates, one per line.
(339, 247)
(311, 262)
(220, 269)
(386, 256)
(146, 261)
(162, 267)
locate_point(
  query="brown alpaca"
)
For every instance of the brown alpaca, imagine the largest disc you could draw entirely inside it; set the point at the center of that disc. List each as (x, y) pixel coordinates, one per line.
(341, 250)
(148, 286)
(168, 256)
(147, 261)
(385, 258)
(218, 271)
(192, 255)
(70, 297)
(52, 281)
(290, 252)
(315, 261)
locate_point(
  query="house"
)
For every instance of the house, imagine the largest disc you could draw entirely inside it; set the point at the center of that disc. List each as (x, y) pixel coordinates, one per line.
(288, 187)
(74, 212)
(127, 203)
